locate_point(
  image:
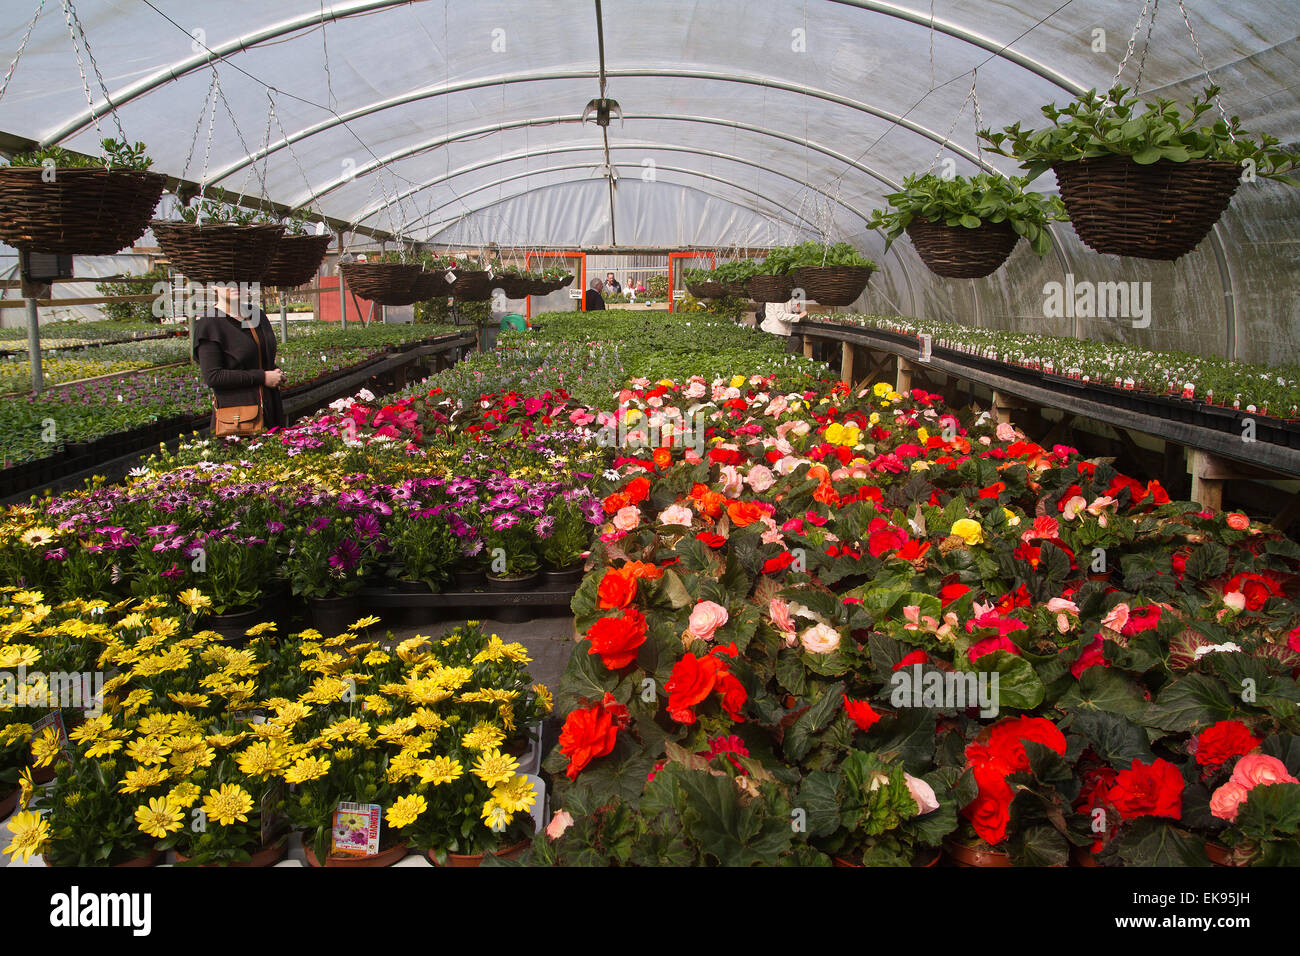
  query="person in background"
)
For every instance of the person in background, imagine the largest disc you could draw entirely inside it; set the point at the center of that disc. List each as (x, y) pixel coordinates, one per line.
(613, 285)
(237, 364)
(777, 319)
(593, 300)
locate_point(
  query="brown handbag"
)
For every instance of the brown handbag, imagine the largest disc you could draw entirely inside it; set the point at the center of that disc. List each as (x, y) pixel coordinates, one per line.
(240, 420)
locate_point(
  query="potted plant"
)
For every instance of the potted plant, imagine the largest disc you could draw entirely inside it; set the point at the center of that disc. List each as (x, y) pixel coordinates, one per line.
(1142, 179)
(55, 201)
(511, 549)
(237, 576)
(243, 810)
(770, 280)
(703, 283)
(880, 814)
(965, 228)
(218, 241)
(564, 538)
(326, 565)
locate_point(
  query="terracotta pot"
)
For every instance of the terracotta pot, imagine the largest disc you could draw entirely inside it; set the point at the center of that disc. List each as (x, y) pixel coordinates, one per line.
(924, 859)
(42, 775)
(382, 858)
(476, 859)
(1219, 854)
(267, 856)
(152, 858)
(981, 856)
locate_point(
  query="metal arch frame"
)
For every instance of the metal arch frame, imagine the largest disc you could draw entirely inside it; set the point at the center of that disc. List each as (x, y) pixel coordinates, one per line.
(442, 224)
(199, 61)
(571, 166)
(580, 147)
(630, 72)
(958, 32)
(408, 151)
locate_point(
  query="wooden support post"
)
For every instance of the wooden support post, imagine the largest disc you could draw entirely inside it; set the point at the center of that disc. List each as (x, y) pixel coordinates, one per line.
(903, 377)
(846, 363)
(807, 346)
(1288, 514)
(1207, 479)
(1002, 406)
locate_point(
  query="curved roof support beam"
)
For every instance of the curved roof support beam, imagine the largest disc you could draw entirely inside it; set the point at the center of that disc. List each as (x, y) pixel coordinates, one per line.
(589, 166)
(352, 7)
(580, 147)
(427, 145)
(632, 72)
(199, 61)
(958, 32)
(442, 224)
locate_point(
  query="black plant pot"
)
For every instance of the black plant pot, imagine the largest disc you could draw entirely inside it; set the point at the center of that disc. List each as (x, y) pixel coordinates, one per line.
(332, 616)
(469, 579)
(417, 614)
(231, 627)
(562, 579)
(513, 582)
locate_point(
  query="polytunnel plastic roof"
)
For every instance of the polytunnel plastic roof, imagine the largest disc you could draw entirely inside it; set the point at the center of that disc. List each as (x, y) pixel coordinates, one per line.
(461, 121)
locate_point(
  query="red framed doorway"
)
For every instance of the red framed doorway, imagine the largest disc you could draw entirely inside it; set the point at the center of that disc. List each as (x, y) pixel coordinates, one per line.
(581, 279)
(713, 264)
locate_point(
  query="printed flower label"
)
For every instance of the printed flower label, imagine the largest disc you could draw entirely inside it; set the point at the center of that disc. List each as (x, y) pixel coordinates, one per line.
(356, 829)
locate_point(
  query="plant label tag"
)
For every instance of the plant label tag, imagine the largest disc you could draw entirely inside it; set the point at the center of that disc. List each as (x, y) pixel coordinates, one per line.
(53, 719)
(679, 294)
(450, 277)
(575, 294)
(927, 347)
(356, 829)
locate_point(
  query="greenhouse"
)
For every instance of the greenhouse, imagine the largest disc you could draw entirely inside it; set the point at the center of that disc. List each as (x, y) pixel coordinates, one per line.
(829, 434)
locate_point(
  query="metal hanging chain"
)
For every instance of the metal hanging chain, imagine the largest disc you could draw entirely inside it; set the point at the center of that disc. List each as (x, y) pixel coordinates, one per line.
(266, 155)
(1132, 41)
(979, 120)
(207, 149)
(931, 46)
(948, 136)
(4, 85)
(1146, 45)
(292, 152)
(239, 134)
(74, 28)
(1206, 70)
(208, 102)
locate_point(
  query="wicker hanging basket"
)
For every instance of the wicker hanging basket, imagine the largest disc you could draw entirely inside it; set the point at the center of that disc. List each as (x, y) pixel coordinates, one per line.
(708, 289)
(297, 260)
(89, 212)
(956, 252)
(387, 283)
(832, 285)
(471, 285)
(219, 251)
(515, 287)
(430, 285)
(568, 281)
(735, 288)
(770, 288)
(1161, 211)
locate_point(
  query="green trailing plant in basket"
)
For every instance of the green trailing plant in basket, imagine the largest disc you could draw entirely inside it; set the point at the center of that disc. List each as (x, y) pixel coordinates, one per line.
(216, 207)
(117, 155)
(1117, 124)
(816, 255)
(970, 202)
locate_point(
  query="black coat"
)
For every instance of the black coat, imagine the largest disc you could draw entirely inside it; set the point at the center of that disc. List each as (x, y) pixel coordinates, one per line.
(228, 359)
(594, 301)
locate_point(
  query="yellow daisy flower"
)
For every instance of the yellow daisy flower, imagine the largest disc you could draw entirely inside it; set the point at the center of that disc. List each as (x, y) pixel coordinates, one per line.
(159, 817)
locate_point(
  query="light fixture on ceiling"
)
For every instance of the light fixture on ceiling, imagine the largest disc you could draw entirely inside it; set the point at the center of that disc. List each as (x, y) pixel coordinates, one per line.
(603, 108)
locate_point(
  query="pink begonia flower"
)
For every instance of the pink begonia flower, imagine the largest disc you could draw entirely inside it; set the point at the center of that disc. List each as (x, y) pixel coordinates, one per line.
(706, 618)
(1260, 770)
(625, 519)
(1235, 600)
(777, 406)
(985, 440)
(559, 823)
(730, 481)
(922, 793)
(1227, 800)
(783, 619)
(1073, 507)
(692, 458)
(678, 515)
(1117, 617)
(1006, 431)
(1058, 604)
(760, 478)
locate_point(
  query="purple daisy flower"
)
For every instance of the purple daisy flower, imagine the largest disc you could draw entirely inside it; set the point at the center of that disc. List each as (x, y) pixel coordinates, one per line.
(504, 522)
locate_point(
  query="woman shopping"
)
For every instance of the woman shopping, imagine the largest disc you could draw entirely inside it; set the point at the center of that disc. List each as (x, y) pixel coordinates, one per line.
(235, 348)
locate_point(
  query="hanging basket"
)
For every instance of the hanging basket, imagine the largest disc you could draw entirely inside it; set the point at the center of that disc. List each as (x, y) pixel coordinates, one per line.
(219, 252)
(89, 212)
(734, 288)
(471, 286)
(387, 283)
(770, 288)
(514, 287)
(1161, 211)
(956, 252)
(297, 260)
(568, 281)
(832, 285)
(707, 289)
(430, 285)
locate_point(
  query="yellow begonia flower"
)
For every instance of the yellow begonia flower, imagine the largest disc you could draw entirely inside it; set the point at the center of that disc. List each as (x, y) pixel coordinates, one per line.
(922, 435)
(968, 530)
(737, 381)
(881, 389)
(1013, 519)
